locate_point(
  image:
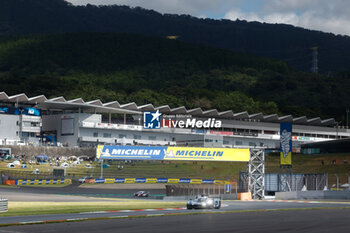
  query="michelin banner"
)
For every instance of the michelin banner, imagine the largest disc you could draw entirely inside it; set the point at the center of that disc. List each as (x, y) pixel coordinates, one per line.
(286, 143)
(172, 153)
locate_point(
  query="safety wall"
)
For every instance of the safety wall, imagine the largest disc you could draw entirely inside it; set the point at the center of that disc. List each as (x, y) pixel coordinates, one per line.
(155, 180)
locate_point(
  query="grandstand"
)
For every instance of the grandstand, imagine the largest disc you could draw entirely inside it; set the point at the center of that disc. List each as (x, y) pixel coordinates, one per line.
(60, 122)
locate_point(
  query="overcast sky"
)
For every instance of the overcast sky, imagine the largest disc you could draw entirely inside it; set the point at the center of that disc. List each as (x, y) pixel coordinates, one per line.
(325, 15)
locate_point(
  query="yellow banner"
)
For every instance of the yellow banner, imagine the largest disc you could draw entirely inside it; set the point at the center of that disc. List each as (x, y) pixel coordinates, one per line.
(221, 182)
(196, 181)
(151, 180)
(109, 181)
(173, 181)
(129, 180)
(207, 154)
(286, 160)
(99, 151)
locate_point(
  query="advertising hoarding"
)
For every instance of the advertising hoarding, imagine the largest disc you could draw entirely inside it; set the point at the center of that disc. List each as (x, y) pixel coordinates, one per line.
(172, 153)
(286, 144)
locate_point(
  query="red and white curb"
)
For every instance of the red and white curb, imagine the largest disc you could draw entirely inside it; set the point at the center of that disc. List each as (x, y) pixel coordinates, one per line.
(110, 217)
(130, 211)
(84, 219)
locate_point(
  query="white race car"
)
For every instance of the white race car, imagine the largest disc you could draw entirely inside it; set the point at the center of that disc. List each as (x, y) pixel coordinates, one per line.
(204, 202)
(141, 194)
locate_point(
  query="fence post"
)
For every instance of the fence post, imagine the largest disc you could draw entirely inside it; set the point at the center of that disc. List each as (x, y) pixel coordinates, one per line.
(316, 182)
(236, 190)
(337, 181)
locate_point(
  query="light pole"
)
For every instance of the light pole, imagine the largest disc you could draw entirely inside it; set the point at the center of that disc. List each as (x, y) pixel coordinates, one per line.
(347, 118)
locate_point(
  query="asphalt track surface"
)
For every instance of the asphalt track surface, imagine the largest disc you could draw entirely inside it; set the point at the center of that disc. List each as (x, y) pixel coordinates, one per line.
(226, 206)
(301, 221)
(254, 216)
(70, 193)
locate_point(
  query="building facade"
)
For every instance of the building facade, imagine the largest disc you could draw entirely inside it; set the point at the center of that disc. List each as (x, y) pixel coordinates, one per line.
(76, 123)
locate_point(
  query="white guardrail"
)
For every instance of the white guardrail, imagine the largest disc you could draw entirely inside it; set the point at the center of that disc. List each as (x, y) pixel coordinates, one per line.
(3, 205)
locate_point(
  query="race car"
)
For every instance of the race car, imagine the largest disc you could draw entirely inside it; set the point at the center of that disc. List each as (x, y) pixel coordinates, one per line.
(141, 194)
(204, 202)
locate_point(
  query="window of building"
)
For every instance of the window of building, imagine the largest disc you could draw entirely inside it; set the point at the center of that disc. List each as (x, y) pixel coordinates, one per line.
(152, 138)
(137, 136)
(252, 144)
(95, 134)
(26, 123)
(122, 136)
(34, 124)
(25, 134)
(239, 143)
(107, 135)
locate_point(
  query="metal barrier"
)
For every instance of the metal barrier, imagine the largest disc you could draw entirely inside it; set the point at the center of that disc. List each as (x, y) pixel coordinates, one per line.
(3, 205)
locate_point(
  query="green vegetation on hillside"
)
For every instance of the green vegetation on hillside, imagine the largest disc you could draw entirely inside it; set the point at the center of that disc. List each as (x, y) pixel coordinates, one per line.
(278, 41)
(144, 69)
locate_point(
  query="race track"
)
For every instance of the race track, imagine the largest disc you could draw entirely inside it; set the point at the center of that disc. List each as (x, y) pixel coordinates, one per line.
(234, 216)
(301, 221)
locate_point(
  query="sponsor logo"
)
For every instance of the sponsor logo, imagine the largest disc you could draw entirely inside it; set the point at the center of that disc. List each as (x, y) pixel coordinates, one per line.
(151, 120)
(191, 123)
(155, 120)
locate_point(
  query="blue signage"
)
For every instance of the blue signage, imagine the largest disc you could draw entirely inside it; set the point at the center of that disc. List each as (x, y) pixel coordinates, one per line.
(228, 188)
(286, 144)
(132, 152)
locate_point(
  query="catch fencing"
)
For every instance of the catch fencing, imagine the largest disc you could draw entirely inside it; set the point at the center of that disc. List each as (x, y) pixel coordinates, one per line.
(275, 182)
(3, 205)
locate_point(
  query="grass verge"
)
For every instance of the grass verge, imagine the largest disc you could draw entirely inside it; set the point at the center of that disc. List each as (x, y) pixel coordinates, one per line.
(38, 208)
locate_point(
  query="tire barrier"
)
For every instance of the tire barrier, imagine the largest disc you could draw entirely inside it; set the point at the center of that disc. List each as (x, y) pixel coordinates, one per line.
(120, 181)
(38, 182)
(3, 205)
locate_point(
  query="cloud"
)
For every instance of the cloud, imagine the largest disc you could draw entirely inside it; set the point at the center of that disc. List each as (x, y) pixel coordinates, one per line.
(324, 15)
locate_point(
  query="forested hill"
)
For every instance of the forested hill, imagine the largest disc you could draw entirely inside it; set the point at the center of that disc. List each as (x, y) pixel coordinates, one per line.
(145, 69)
(282, 42)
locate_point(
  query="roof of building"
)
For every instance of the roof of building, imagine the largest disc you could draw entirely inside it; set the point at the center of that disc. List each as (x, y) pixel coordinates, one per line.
(60, 103)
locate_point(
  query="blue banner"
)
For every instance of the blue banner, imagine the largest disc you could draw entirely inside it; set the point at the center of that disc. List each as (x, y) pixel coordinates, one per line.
(119, 180)
(286, 143)
(228, 188)
(140, 180)
(206, 181)
(131, 152)
(185, 181)
(99, 181)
